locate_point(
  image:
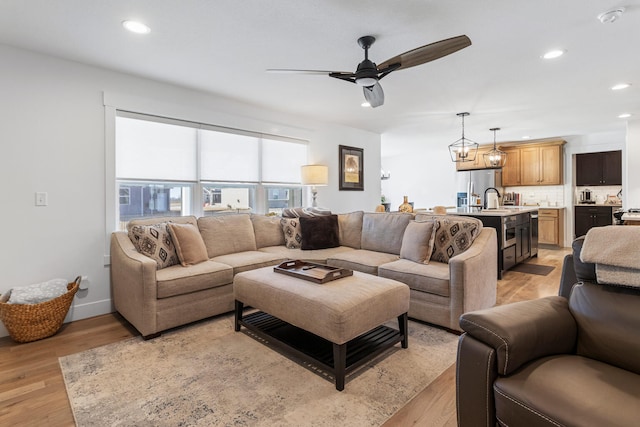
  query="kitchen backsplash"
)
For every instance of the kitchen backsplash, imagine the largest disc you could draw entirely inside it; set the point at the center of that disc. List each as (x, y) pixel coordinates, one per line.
(547, 195)
(599, 193)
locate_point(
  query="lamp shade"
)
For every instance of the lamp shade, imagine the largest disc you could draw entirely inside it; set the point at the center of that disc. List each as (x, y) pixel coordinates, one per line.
(317, 175)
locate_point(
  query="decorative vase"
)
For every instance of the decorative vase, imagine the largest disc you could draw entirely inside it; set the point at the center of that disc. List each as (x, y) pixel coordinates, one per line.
(405, 206)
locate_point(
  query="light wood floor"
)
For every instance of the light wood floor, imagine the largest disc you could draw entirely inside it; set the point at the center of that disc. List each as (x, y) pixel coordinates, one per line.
(32, 391)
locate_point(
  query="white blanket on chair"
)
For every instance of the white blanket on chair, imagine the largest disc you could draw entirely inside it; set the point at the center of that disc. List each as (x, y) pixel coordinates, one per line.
(616, 252)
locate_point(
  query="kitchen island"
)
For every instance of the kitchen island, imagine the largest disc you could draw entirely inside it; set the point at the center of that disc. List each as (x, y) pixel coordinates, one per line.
(516, 229)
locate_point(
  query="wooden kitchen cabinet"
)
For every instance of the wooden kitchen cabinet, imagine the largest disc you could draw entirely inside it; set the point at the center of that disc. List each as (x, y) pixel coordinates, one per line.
(587, 217)
(511, 169)
(604, 168)
(551, 226)
(533, 164)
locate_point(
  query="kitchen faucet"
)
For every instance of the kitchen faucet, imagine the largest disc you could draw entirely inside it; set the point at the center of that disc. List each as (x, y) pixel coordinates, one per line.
(485, 195)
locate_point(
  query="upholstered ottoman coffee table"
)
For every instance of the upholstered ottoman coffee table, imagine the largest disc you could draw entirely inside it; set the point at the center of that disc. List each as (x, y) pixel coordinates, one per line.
(337, 325)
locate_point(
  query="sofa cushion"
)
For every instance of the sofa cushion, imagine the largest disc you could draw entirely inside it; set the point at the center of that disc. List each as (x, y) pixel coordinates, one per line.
(154, 241)
(417, 242)
(188, 219)
(188, 242)
(350, 229)
(227, 234)
(249, 260)
(318, 255)
(568, 390)
(608, 322)
(319, 232)
(432, 278)
(361, 260)
(453, 236)
(292, 233)
(383, 232)
(268, 230)
(179, 280)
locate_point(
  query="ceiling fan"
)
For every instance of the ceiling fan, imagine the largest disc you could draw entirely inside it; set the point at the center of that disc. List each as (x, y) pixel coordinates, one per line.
(368, 74)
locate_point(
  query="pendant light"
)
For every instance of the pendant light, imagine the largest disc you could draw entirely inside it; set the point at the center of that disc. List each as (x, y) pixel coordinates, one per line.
(463, 150)
(494, 158)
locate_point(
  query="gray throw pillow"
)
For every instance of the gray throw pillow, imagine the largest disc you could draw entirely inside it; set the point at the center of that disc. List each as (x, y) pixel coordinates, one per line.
(417, 242)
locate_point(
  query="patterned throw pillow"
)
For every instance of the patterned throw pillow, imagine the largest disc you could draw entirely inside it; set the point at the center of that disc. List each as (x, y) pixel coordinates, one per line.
(292, 232)
(155, 242)
(453, 237)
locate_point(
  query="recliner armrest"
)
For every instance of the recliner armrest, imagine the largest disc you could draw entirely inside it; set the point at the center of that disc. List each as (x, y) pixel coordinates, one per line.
(523, 331)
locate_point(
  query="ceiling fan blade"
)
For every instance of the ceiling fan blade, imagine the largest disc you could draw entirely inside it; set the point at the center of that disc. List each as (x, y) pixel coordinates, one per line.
(374, 95)
(290, 71)
(430, 52)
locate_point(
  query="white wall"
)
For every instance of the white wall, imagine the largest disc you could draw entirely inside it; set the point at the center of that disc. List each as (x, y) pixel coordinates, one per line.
(53, 140)
(422, 170)
(630, 162)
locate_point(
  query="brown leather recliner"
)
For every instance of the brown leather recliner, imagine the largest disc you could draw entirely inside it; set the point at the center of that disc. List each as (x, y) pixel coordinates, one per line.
(553, 361)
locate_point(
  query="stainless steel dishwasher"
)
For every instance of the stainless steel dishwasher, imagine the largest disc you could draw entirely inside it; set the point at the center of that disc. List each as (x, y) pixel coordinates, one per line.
(534, 234)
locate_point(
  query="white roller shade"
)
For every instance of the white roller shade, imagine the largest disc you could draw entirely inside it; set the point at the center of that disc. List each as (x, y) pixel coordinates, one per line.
(281, 160)
(229, 157)
(152, 150)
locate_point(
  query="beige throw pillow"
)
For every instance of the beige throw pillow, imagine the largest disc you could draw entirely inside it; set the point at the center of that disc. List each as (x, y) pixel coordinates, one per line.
(417, 242)
(189, 244)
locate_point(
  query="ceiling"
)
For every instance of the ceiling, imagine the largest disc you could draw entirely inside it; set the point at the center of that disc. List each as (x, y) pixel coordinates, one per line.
(224, 47)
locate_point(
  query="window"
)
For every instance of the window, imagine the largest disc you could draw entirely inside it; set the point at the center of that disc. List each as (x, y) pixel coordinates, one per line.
(125, 195)
(166, 167)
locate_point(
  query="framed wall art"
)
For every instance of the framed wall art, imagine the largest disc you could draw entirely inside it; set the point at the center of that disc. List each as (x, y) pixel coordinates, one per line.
(351, 168)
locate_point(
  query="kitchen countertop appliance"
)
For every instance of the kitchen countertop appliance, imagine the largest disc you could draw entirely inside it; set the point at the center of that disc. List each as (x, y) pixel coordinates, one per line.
(586, 197)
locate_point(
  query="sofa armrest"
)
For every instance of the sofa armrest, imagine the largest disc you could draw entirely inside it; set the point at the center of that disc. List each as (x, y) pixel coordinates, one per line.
(133, 283)
(475, 374)
(523, 331)
(473, 276)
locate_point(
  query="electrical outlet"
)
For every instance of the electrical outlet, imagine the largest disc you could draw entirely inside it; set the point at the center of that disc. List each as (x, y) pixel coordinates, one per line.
(41, 199)
(84, 283)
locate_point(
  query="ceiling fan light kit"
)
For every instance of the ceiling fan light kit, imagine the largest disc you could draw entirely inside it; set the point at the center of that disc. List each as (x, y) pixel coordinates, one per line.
(464, 149)
(495, 158)
(611, 16)
(368, 74)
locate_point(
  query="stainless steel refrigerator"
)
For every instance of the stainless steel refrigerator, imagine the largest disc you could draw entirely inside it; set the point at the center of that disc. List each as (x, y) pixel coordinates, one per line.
(474, 183)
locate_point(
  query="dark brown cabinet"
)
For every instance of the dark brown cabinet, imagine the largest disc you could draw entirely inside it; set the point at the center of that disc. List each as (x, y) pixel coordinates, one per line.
(587, 217)
(604, 168)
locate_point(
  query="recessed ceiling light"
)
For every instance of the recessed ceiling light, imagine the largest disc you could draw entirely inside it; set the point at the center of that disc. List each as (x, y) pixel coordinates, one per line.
(526, 137)
(624, 116)
(365, 104)
(136, 27)
(620, 86)
(552, 54)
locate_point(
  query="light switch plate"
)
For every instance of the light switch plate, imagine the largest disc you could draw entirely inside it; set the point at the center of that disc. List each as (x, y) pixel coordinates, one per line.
(41, 199)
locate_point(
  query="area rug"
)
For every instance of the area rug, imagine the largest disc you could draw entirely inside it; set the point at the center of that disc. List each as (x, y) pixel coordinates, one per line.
(208, 375)
(538, 269)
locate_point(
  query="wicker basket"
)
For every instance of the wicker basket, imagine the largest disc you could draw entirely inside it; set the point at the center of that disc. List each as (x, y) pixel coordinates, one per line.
(31, 322)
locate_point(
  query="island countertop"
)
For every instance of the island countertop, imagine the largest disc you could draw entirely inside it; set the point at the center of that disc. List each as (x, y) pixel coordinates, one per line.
(501, 212)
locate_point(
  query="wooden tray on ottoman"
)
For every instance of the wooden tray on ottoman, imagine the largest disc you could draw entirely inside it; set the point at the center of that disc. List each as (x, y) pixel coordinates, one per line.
(314, 272)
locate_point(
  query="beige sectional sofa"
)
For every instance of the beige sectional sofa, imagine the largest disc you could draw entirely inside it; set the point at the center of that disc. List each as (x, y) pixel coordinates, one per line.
(153, 300)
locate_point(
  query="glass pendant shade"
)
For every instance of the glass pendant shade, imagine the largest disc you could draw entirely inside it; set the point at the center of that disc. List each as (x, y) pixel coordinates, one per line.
(495, 158)
(463, 150)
